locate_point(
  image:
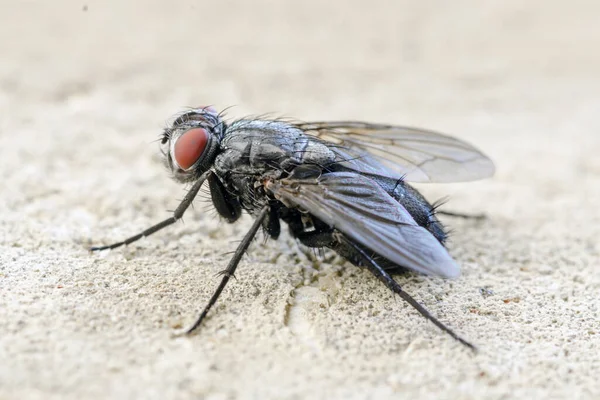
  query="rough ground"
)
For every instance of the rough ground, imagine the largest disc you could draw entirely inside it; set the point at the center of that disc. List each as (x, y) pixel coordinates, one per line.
(87, 87)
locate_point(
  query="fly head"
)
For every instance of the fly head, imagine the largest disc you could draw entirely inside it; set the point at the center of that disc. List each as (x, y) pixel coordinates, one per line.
(190, 144)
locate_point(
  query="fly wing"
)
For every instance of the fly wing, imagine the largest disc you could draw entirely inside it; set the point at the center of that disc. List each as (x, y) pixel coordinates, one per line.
(358, 207)
(395, 151)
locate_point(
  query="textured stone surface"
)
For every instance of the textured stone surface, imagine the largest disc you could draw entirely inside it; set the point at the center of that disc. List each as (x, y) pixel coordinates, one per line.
(86, 89)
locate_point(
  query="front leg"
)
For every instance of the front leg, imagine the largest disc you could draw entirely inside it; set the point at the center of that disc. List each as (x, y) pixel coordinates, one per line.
(177, 214)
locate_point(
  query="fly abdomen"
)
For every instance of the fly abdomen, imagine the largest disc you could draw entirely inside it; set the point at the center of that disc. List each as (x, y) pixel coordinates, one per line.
(420, 209)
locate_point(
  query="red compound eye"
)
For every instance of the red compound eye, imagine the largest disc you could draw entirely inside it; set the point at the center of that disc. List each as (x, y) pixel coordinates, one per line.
(190, 146)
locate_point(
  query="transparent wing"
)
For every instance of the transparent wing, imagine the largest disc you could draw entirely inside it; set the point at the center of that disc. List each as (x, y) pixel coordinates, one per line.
(359, 208)
(394, 151)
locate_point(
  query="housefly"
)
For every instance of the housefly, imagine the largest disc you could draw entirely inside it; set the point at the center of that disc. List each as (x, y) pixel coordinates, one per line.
(337, 185)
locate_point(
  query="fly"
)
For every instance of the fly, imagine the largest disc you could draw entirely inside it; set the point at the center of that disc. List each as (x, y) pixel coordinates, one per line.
(337, 185)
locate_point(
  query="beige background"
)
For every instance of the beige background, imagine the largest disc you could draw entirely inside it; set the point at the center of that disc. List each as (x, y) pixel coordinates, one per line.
(84, 94)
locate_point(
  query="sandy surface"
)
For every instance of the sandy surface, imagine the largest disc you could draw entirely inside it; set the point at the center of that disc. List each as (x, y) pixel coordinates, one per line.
(84, 94)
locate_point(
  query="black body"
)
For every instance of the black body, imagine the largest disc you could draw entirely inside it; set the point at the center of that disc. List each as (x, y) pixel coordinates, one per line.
(337, 185)
(273, 150)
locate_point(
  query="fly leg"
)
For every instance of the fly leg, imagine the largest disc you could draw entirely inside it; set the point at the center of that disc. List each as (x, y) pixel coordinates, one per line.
(349, 250)
(435, 209)
(383, 276)
(229, 271)
(460, 215)
(177, 214)
(316, 239)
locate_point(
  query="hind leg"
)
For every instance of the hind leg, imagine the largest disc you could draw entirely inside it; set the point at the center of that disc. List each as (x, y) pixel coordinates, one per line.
(358, 256)
(460, 215)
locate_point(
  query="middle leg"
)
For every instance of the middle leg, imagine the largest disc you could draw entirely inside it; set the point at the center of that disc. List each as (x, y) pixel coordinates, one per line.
(231, 267)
